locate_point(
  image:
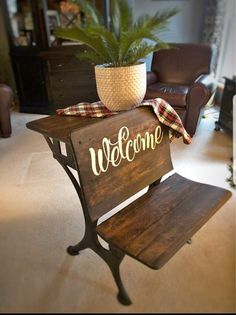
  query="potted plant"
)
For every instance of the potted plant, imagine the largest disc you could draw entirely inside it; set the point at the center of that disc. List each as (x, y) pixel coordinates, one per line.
(116, 50)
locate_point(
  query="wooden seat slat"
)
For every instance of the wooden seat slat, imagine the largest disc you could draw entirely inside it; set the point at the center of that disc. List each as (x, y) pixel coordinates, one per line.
(156, 225)
(142, 217)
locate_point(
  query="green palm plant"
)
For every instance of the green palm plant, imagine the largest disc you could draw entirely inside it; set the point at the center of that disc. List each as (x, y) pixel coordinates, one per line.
(123, 42)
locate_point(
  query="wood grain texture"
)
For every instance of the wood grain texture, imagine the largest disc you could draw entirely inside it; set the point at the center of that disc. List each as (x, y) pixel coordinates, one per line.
(60, 127)
(109, 189)
(154, 227)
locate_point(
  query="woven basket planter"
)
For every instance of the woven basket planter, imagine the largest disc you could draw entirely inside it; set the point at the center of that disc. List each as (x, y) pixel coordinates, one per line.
(121, 88)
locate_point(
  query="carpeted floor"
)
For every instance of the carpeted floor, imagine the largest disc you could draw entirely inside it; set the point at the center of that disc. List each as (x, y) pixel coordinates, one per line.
(40, 215)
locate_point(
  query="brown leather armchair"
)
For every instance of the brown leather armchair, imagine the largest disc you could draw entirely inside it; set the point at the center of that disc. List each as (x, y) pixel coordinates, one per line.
(182, 76)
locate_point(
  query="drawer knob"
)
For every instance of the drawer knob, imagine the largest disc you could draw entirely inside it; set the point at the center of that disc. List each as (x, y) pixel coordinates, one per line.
(61, 80)
(59, 65)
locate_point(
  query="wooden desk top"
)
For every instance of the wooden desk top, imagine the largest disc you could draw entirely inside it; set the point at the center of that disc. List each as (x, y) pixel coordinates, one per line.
(60, 127)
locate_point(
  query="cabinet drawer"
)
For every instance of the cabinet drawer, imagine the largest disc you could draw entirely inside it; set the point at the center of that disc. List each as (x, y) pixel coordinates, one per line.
(72, 64)
(74, 95)
(59, 80)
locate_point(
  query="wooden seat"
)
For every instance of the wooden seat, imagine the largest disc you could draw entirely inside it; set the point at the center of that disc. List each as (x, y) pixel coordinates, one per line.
(156, 225)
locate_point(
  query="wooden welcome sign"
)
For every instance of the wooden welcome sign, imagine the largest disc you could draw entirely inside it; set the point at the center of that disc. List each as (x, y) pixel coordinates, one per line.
(119, 156)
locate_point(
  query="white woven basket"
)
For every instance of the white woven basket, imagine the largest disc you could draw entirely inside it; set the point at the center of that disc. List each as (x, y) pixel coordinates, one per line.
(121, 88)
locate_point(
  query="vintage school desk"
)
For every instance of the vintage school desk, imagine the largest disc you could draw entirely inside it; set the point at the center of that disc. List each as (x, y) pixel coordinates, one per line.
(115, 158)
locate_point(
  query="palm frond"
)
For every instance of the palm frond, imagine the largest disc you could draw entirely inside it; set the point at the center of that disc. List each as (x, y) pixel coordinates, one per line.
(133, 37)
(157, 22)
(93, 16)
(146, 27)
(109, 41)
(121, 17)
(139, 52)
(123, 42)
(115, 18)
(85, 37)
(126, 16)
(74, 34)
(91, 56)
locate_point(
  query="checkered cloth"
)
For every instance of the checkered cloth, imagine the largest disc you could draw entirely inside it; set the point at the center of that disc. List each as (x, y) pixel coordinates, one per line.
(164, 112)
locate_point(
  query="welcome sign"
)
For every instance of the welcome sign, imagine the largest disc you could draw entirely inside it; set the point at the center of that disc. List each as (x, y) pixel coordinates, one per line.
(119, 156)
(112, 153)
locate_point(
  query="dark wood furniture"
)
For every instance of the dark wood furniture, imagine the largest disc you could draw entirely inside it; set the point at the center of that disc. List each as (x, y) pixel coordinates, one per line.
(47, 73)
(6, 98)
(68, 79)
(115, 158)
(226, 109)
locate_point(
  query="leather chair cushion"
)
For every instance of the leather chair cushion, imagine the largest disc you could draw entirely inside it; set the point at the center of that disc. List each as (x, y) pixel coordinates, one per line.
(172, 93)
(182, 64)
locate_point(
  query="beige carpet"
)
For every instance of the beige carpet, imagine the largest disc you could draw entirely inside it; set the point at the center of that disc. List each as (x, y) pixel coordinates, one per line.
(40, 215)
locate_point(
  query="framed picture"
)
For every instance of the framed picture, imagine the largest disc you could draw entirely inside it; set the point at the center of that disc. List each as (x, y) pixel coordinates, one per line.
(53, 19)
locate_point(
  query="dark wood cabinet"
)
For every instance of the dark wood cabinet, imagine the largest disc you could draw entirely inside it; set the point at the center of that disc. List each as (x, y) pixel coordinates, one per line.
(47, 73)
(30, 82)
(226, 110)
(68, 79)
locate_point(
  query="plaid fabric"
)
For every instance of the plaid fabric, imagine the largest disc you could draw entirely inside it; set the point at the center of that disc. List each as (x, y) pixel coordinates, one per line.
(97, 110)
(164, 112)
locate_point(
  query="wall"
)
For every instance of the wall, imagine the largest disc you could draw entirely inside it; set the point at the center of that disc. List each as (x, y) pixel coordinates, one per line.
(185, 27)
(227, 58)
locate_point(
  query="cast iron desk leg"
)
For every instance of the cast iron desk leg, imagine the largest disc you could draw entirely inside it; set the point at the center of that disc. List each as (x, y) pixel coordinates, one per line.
(113, 257)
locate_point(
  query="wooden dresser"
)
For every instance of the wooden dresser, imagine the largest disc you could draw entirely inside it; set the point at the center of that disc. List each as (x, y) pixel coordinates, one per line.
(46, 72)
(68, 79)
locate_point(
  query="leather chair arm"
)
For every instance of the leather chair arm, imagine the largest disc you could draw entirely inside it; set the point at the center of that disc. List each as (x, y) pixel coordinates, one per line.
(198, 96)
(208, 81)
(201, 90)
(151, 78)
